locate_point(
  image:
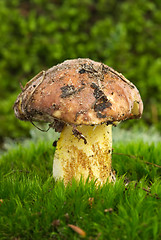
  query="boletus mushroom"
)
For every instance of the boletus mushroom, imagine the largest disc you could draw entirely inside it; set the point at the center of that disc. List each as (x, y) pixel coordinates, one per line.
(82, 99)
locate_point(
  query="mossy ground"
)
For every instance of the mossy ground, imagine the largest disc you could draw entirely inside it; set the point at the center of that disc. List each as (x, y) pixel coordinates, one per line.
(33, 206)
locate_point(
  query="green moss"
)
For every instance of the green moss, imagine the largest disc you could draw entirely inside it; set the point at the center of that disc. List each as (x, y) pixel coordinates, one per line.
(33, 206)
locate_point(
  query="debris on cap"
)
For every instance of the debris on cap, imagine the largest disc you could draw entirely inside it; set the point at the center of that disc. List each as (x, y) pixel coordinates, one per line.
(79, 92)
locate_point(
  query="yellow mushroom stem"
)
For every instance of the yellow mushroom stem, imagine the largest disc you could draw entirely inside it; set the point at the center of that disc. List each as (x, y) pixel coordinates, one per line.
(75, 159)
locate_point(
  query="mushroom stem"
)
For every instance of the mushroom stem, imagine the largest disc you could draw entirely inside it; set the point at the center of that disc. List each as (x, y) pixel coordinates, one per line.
(74, 158)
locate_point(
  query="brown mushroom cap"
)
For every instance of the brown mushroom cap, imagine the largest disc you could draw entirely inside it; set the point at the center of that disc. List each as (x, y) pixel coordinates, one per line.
(79, 91)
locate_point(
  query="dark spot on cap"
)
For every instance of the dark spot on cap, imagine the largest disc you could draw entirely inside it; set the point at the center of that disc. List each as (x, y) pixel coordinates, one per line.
(102, 105)
(55, 107)
(67, 91)
(82, 71)
(101, 101)
(98, 93)
(82, 82)
(100, 115)
(93, 85)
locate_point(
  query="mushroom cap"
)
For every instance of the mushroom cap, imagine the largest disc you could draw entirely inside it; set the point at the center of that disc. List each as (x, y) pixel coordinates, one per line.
(79, 91)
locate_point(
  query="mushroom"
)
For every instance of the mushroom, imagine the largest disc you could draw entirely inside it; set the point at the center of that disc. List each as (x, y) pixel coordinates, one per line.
(82, 99)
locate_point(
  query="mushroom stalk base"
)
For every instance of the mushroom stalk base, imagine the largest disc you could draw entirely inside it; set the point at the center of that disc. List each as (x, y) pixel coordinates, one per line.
(75, 159)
